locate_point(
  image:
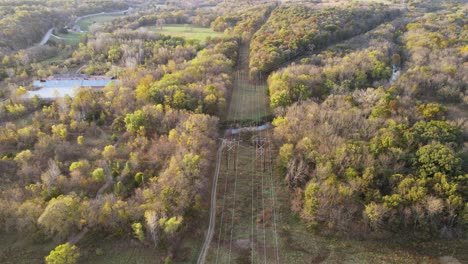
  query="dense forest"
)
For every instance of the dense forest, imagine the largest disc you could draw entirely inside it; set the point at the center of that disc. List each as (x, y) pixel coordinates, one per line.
(436, 51)
(383, 159)
(338, 70)
(242, 24)
(111, 162)
(291, 31)
(133, 159)
(367, 122)
(356, 170)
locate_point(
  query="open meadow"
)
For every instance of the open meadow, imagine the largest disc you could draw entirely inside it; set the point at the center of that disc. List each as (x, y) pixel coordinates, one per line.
(85, 23)
(187, 31)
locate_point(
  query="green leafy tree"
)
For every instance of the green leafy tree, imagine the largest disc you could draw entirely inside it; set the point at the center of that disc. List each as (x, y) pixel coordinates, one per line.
(430, 111)
(285, 155)
(139, 178)
(280, 99)
(119, 188)
(16, 110)
(80, 140)
(437, 158)
(62, 215)
(99, 175)
(6, 60)
(138, 231)
(171, 225)
(210, 102)
(60, 131)
(310, 201)
(114, 53)
(133, 122)
(375, 213)
(109, 152)
(381, 71)
(76, 165)
(142, 92)
(63, 254)
(434, 130)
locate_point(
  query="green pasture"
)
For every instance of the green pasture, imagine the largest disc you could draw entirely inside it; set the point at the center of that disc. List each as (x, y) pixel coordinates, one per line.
(186, 31)
(72, 38)
(249, 101)
(85, 23)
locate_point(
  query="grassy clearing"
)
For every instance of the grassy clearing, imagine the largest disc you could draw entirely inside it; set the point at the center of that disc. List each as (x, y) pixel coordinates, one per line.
(85, 23)
(15, 249)
(116, 252)
(186, 31)
(249, 101)
(236, 224)
(94, 249)
(72, 38)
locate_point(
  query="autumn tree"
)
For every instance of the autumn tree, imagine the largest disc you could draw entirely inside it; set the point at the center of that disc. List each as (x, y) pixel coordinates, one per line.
(62, 215)
(63, 254)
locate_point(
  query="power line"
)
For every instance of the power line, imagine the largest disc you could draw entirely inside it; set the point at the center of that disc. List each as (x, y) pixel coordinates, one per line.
(222, 208)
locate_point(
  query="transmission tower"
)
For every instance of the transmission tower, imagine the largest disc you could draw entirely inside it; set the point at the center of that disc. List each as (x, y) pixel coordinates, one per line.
(260, 144)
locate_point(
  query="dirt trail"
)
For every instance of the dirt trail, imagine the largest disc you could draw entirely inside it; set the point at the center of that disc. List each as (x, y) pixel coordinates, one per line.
(209, 235)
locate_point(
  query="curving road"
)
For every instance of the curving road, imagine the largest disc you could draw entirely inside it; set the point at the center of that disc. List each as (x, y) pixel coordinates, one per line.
(100, 14)
(46, 37)
(49, 33)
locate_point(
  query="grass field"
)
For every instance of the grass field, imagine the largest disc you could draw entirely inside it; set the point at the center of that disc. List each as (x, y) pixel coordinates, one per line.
(249, 101)
(95, 249)
(72, 38)
(85, 23)
(15, 249)
(186, 31)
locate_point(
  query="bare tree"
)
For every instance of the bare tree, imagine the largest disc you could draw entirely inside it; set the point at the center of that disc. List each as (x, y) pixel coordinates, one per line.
(152, 220)
(160, 23)
(51, 175)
